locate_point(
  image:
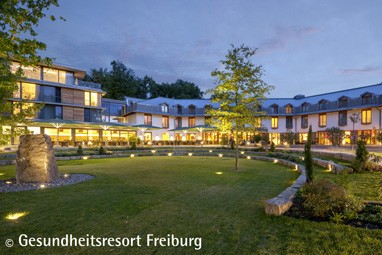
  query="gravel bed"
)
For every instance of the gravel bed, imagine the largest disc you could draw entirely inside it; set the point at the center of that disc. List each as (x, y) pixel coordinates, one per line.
(10, 185)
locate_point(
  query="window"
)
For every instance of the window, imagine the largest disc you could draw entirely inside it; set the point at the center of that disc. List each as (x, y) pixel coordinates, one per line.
(164, 107)
(366, 99)
(92, 115)
(91, 98)
(179, 109)
(305, 107)
(50, 75)
(148, 119)
(304, 121)
(275, 122)
(191, 121)
(165, 121)
(289, 122)
(50, 94)
(29, 91)
(275, 109)
(322, 120)
(288, 109)
(51, 112)
(342, 118)
(58, 76)
(343, 102)
(17, 93)
(366, 116)
(323, 104)
(178, 122)
(191, 109)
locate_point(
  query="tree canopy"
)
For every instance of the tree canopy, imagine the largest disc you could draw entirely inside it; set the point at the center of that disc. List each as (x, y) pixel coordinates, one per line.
(121, 81)
(239, 91)
(18, 20)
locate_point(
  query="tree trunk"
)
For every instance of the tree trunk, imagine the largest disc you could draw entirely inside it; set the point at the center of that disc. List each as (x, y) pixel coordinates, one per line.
(236, 151)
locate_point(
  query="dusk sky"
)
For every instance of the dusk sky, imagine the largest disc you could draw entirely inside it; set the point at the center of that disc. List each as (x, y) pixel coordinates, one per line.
(305, 46)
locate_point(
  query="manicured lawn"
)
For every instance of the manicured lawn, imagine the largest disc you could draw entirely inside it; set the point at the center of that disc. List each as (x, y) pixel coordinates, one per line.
(174, 195)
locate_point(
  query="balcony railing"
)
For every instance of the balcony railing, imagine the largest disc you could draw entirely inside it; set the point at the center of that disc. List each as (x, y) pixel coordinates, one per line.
(89, 84)
(375, 100)
(157, 109)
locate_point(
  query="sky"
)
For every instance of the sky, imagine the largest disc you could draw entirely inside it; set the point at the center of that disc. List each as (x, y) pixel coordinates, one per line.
(304, 46)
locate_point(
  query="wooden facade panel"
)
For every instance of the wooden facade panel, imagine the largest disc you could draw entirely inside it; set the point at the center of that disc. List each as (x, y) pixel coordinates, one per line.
(67, 113)
(78, 114)
(67, 95)
(78, 97)
(99, 100)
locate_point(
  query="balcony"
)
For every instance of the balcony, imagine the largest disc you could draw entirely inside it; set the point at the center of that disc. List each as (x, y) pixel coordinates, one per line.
(89, 84)
(157, 109)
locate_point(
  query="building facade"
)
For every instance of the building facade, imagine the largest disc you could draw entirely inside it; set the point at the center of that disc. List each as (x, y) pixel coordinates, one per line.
(75, 112)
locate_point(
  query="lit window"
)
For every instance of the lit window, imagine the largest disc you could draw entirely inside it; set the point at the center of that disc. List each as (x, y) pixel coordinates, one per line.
(29, 91)
(51, 75)
(288, 109)
(191, 121)
(87, 98)
(366, 116)
(94, 99)
(148, 119)
(165, 121)
(275, 122)
(322, 120)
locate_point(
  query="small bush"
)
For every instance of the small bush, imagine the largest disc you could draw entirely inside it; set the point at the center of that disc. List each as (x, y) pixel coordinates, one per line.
(80, 151)
(102, 151)
(360, 163)
(133, 146)
(326, 200)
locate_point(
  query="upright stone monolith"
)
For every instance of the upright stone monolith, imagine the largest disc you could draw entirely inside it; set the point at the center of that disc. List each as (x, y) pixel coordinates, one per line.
(35, 161)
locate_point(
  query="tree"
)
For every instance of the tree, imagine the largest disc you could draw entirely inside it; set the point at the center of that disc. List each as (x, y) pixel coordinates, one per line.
(308, 157)
(18, 43)
(335, 135)
(360, 163)
(239, 91)
(354, 118)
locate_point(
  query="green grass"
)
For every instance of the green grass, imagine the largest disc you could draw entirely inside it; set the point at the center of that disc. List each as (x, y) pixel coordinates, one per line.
(175, 195)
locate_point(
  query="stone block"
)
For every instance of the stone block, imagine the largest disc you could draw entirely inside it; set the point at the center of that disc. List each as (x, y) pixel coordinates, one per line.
(35, 161)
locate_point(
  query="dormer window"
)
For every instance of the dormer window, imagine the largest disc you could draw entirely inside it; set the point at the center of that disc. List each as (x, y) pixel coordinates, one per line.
(288, 109)
(164, 107)
(305, 107)
(274, 109)
(191, 109)
(343, 102)
(366, 98)
(207, 107)
(179, 109)
(323, 104)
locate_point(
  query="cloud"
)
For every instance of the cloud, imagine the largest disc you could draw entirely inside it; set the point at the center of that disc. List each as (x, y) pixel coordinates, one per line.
(284, 36)
(364, 70)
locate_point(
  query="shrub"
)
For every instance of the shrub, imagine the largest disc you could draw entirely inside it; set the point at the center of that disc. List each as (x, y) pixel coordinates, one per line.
(102, 151)
(335, 135)
(360, 163)
(326, 200)
(257, 138)
(80, 151)
(273, 147)
(308, 157)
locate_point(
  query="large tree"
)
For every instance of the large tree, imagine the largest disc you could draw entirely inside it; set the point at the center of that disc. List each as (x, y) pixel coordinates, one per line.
(18, 20)
(239, 91)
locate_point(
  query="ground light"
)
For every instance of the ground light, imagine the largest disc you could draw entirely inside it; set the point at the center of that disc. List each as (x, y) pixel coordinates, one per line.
(242, 152)
(190, 154)
(220, 155)
(275, 161)
(219, 173)
(132, 155)
(66, 175)
(153, 151)
(169, 154)
(15, 216)
(85, 157)
(248, 157)
(8, 182)
(1, 173)
(42, 186)
(210, 151)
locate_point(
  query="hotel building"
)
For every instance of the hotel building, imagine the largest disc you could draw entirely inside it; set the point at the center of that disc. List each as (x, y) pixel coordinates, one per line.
(75, 113)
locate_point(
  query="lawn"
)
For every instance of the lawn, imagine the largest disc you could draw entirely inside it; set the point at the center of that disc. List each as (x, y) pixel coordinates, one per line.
(174, 195)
